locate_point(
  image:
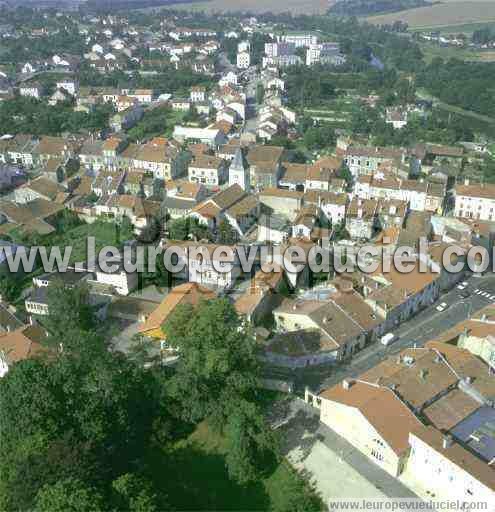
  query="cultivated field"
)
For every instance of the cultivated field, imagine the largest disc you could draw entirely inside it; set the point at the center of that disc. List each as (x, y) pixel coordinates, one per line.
(259, 6)
(431, 50)
(449, 13)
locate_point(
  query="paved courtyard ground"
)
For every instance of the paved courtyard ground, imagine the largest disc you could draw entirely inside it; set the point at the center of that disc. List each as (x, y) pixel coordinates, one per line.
(336, 468)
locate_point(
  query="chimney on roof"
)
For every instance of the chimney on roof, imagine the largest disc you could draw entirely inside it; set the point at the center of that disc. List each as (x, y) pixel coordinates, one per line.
(347, 384)
(447, 441)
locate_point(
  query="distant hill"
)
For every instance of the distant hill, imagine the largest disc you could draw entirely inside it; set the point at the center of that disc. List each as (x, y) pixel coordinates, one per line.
(370, 7)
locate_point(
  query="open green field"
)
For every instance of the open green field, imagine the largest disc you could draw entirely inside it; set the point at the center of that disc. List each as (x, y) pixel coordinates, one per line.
(449, 13)
(257, 6)
(198, 478)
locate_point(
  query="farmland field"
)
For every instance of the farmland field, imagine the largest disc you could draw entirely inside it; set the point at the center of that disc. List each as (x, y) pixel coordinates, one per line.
(464, 28)
(450, 13)
(431, 50)
(275, 6)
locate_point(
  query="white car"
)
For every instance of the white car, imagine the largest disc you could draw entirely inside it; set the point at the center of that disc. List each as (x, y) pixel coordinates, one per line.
(462, 286)
(442, 307)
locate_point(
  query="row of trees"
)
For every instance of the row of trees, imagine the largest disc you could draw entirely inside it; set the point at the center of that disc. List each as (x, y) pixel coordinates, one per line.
(29, 115)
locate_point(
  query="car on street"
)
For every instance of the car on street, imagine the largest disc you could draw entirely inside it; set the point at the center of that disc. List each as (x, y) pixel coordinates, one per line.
(388, 338)
(465, 294)
(462, 286)
(442, 307)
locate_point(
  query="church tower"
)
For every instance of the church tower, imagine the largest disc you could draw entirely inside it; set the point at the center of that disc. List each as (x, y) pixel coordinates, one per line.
(239, 171)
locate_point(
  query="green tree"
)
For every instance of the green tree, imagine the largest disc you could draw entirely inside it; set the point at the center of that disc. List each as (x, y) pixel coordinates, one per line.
(251, 443)
(260, 94)
(298, 496)
(134, 494)
(217, 362)
(345, 174)
(226, 234)
(178, 229)
(68, 495)
(70, 318)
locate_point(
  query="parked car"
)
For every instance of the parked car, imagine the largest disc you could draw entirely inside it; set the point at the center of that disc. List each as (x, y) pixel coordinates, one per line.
(388, 338)
(442, 307)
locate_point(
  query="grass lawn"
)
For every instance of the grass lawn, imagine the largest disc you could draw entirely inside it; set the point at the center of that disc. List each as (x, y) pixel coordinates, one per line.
(104, 233)
(197, 477)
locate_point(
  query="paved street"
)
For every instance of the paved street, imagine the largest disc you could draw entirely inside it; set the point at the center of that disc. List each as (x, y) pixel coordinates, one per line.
(425, 326)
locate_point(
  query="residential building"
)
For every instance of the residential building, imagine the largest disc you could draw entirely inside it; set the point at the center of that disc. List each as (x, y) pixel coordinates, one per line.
(212, 137)
(475, 201)
(278, 49)
(22, 343)
(39, 188)
(280, 201)
(299, 39)
(126, 118)
(332, 205)
(198, 94)
(265, 166)
(343, 318)
(243, 60)
(211, 171)
(367, 160)
(189, 293)
(397, 296)
(447, 470)
(32, 89)
(421, 195)
(385, 411)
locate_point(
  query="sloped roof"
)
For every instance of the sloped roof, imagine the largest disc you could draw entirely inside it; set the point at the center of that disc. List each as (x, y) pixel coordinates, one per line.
(189, 293)
(22, 343)
(381, 408)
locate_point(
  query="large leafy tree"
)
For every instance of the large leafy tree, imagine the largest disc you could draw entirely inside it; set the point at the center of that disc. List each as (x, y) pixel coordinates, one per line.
(217, 362)
(83, 413)
(68, 495)
(251, 444)
(216, 378)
